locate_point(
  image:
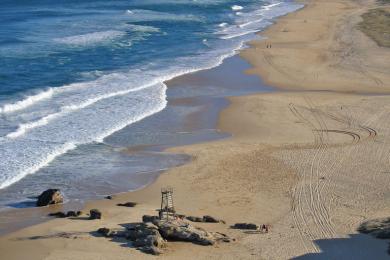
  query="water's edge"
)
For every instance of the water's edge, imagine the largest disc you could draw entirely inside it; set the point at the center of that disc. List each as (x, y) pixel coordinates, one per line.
(196, 124)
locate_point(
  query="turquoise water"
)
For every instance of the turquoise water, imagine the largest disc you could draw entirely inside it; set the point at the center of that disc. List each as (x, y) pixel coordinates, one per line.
(75, 72)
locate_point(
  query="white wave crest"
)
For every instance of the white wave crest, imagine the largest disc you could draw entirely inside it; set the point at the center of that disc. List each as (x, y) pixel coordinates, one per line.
(143, 28)
(237, 7)
(156, 109)
(239, 34)
(38, 165)
(23, 128)
(268, 7)
(22, 104)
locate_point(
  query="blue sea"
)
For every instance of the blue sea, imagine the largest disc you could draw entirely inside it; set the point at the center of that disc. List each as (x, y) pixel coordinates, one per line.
(74, 73)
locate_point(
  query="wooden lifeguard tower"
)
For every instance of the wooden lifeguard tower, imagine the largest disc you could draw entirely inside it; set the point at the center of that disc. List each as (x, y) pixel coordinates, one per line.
(167, 210)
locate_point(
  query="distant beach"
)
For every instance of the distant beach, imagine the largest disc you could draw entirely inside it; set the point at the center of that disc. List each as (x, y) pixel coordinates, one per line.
(308, 156)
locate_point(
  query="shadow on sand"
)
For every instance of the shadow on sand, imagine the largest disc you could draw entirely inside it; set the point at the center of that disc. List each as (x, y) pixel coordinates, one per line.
(354, 247)
(72, 235)
(372, 244)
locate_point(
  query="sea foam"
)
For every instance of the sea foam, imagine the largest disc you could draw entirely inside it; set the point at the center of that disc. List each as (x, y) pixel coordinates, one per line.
(247, 23)
(237, 7)
(30, 100)
(90, 38)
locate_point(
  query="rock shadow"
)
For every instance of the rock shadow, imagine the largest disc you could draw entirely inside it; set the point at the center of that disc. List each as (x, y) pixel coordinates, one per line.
(71, 235)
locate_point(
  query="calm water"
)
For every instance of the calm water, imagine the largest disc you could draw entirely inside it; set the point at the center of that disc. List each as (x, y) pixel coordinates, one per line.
(75, 72)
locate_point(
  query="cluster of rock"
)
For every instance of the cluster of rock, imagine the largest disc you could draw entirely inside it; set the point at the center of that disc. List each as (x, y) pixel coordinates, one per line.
(205, 219)
(61, 214)
(180, 230)
(152, 234)
(93, 214)
(147, 238)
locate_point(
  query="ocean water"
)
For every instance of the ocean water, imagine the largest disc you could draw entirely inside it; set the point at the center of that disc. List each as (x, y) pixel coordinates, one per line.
(74, 73)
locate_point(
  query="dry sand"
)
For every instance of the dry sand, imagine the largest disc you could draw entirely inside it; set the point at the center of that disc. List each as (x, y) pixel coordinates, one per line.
(320, 48)
(312, 164)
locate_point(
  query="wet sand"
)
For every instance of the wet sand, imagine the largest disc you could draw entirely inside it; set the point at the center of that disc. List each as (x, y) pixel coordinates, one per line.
(311, 163)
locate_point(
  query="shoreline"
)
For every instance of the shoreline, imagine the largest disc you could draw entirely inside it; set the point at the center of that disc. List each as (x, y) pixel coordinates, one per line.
(199, 126)
(258, 172)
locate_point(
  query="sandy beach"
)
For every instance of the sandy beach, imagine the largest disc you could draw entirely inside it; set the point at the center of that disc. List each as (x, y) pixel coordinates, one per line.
(311, 159)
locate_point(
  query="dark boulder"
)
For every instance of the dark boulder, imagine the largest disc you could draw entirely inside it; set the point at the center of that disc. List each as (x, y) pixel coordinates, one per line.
(127, 204)
(194, 219)
(210, 219)
(58, 214)
(148, 218)
(50, 196)
(249, 226)
(105, 232)
(95, 214)
(71, 214)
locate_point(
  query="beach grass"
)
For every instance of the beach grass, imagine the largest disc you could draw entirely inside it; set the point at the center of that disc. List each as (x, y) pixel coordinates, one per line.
(376, 25)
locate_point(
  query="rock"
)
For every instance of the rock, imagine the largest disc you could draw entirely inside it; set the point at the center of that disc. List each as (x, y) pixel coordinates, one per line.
(58, 214)
(148, 218)
(223, 237)
(151, 240)
(48, 197)
(127, 204)
(71, 214)
(183, 231)
(151, 250)
(141, 230)
(194, 219)
(379, 228)
(146, 237)
(105, 232)
(250, 226)
(210, 219)
(95, 214)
